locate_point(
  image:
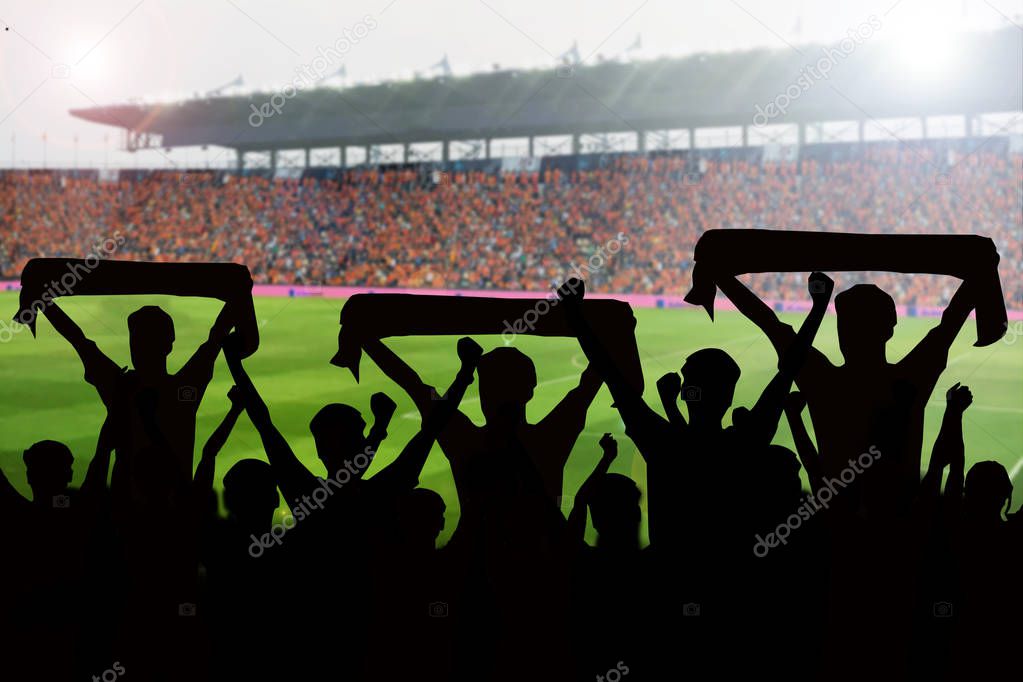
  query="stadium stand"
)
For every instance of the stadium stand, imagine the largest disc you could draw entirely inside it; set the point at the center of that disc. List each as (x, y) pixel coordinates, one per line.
(473, 225)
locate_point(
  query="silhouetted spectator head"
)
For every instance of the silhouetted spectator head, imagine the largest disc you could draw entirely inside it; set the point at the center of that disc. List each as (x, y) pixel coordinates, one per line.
(250, 493)
(338, 431)
(987, 491)
(708, 384)
(48, 469)
(150, 337)
(421, 516)
(866, 319)
(614, 507)
(507, 380)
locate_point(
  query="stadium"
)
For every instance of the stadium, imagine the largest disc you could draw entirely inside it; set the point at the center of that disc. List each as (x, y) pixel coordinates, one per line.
(505, 184)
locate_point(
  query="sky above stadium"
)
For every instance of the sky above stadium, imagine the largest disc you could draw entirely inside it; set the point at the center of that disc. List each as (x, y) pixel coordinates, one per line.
(59, 54)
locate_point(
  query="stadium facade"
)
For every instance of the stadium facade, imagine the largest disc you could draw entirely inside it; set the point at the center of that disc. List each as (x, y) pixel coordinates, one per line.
(786, 92)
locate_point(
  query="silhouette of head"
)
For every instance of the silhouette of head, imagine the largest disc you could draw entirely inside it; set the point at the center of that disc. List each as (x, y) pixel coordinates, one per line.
(987, 490)
(866, 320)
(150, 337)
(250, 493)
(338, 431)
(614, 507)
(48, 469)
(421, 517)
(708, 384)
(507, 380)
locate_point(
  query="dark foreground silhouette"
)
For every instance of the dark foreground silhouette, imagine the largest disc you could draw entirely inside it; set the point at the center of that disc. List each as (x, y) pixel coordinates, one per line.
(873, 572)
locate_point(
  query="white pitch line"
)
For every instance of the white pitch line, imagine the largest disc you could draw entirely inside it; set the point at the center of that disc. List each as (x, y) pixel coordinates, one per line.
(1014, 472)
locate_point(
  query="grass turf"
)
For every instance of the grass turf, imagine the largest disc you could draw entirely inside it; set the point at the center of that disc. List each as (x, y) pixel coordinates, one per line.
(45, 397)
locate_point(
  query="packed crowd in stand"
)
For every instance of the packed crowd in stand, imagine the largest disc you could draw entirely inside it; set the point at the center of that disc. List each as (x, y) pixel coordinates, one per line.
(491, 229)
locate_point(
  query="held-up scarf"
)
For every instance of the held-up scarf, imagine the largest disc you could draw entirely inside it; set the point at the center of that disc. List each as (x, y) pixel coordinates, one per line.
(44, 279)
(367, 317)
(972, 258)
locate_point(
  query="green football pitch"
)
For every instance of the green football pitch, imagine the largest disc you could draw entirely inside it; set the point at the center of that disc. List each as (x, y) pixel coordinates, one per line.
(45, 397)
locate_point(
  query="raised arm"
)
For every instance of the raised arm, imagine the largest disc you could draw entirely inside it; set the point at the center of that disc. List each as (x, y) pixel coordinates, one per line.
(577, 517)
(805, 448)
(403, 473)
(766, 413)
(757, 312)
(562, 425)
(98, 367)
(202, 483)
(382, 407)
(642, 423)
(955, 315)
(949, 449)
(293, 478)
(669, 387)
(398, 371)
(201, 363)
(95, 482)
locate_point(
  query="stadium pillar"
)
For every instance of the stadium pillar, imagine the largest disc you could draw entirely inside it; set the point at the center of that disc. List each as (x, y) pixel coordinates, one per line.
(487, 154)
(239, 160)
(307, 157)
(575, 143)
(342, 155)
(445, 151)
(745, 135)
(860, 131)
(406, 152)
(273, 161)
(641, 140)
(800, 128)
(529, 141)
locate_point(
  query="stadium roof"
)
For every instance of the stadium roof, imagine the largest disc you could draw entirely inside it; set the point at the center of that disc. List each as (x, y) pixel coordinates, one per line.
(704, 90)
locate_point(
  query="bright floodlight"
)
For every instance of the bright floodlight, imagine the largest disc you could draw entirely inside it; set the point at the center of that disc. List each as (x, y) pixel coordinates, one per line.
(926, 49)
